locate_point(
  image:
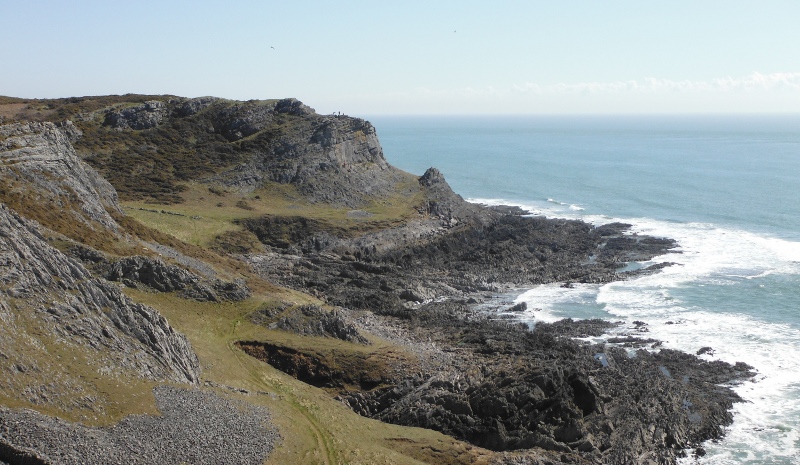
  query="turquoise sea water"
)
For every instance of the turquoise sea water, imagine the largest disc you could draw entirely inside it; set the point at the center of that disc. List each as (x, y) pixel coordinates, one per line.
(727, 188)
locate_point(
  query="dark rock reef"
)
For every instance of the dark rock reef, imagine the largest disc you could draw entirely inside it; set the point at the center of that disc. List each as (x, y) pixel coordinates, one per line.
(499, 384)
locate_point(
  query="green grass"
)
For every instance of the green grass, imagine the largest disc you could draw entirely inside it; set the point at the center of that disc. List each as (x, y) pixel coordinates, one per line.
(152, 170)
(69, 375)
(314, 428)
(208, 212)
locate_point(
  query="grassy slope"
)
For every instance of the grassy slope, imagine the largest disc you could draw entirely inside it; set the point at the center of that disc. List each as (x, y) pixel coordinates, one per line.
(315, 428)
(207, 213)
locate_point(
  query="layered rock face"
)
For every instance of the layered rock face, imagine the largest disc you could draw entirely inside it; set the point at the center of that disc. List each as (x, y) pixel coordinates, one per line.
(331, 159)
(52, 306)
(145, 116)
(65, 330)
(37, 161)
(334, 159)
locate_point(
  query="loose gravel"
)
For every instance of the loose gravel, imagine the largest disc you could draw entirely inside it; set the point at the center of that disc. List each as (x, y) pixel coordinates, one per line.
(195, 427)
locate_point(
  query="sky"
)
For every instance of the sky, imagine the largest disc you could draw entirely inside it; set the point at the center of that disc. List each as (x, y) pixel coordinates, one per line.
(415, 57)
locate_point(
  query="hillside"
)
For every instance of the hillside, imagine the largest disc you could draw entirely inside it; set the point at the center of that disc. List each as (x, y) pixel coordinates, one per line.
(158, 253)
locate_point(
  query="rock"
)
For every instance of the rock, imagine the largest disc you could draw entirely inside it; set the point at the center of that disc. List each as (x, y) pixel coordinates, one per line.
(151, 272)
(162, 277)
(193, 106)
(705, 350)
(194, 426)
(145, 116)
(39, 164)
(331, 159)
(56, 300)
(312, 320)
(294, 107)
(520, 307)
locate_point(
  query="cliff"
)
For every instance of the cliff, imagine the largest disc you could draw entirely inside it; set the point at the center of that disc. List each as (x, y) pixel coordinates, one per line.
(39, 165)
(54, 311)
(278, 250)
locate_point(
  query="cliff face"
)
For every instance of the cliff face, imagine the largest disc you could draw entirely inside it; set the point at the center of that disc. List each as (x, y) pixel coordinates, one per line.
(151, 149)
(65, 332)
(54, 310)
(38, 162)
(332, 159)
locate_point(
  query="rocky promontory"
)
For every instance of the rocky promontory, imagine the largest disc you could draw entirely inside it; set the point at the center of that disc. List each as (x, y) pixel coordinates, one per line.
(309, 274)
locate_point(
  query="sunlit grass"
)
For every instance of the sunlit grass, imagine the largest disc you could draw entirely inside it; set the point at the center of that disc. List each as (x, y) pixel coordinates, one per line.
(209, 211)
(314, 427)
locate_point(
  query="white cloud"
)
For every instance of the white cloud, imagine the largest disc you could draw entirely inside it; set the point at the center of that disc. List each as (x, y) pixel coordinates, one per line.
(756, 92)
(753, 82)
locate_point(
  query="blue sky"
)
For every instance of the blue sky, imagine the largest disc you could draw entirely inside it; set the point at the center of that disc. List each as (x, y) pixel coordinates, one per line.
(415, 57)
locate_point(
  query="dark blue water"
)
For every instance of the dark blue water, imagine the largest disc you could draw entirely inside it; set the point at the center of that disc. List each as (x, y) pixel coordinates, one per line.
(727, 188)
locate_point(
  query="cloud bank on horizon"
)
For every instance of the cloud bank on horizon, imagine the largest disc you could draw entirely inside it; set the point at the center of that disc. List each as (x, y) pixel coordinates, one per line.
(753, 82)
(752, 93)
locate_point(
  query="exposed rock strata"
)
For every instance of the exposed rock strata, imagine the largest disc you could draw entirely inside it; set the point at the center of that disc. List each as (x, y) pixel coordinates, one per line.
(48, 298)
(502, 387)
(37, 159)
(486, 252)
(155, 274)
(332, 159)
(311, 320)
(145, 116)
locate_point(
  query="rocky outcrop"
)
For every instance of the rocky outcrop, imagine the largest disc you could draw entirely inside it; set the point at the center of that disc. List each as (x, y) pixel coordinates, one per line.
(52, 306)
(155, 274)
(311, 320)
(332, 159)
(39, 164)
(145, 116)
(193, 106)
(508, 388)
(487, 252)
(443, 203)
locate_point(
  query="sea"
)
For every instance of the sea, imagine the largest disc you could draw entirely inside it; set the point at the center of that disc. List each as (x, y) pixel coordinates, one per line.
(725, 187)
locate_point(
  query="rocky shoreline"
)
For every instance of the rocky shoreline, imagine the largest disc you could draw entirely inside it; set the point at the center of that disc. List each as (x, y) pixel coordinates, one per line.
(493, 381)
(418, 286)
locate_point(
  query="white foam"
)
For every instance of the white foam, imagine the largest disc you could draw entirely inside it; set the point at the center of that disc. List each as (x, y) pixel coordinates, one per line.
(766, 427)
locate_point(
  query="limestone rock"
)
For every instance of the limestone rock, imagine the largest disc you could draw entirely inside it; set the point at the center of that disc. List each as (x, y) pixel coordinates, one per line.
(163, 277)
(195, 105)
(145, 116)
(329, 158)
(38, 159)
(52, 305)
